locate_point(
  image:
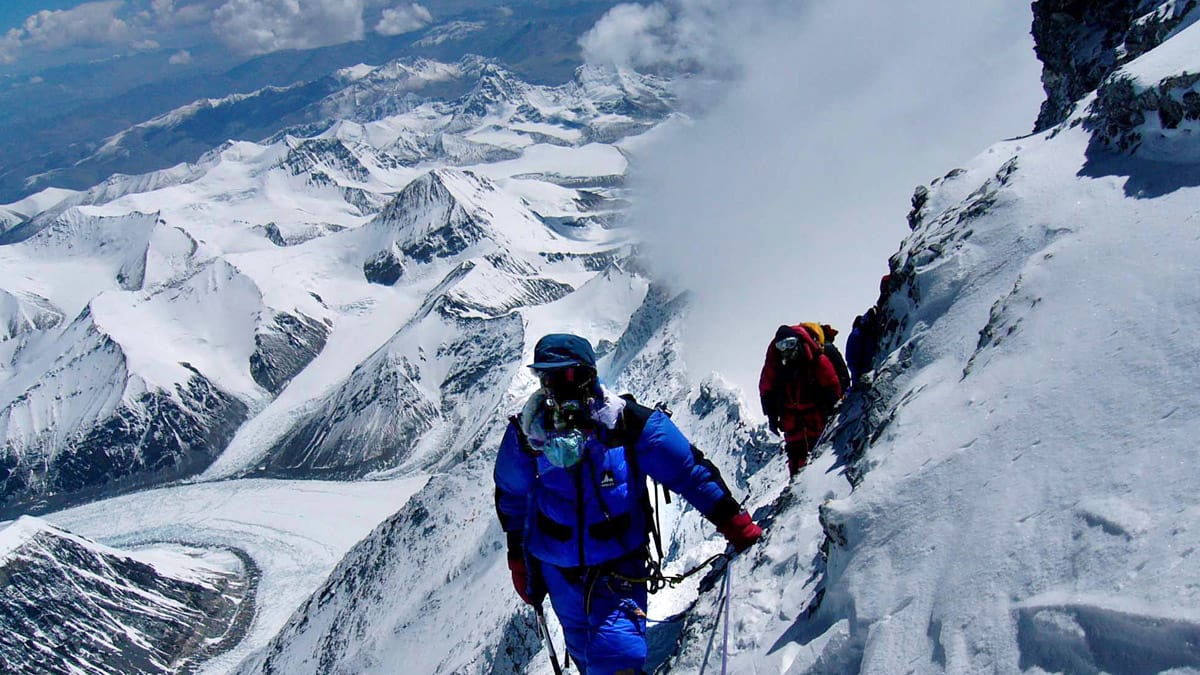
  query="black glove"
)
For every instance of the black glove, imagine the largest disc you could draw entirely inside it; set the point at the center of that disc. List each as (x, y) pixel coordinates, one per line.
(773, 424)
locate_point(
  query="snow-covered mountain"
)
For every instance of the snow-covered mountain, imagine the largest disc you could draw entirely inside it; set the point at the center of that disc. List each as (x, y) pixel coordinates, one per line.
(354, 302)
(150, 317)
(73, 606)
(351, 303)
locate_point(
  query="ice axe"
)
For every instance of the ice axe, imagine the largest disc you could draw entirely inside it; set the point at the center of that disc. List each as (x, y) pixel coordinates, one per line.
(544, 634)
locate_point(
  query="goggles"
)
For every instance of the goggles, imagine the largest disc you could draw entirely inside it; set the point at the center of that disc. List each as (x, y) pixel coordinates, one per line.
(566, 379)
(568, 393)
(787, 344)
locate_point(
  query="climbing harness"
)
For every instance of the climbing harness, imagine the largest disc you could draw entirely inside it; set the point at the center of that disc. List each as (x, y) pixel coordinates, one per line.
(655, 580)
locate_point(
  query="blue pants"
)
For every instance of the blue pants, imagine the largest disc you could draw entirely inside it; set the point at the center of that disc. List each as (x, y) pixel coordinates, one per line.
(603, 617)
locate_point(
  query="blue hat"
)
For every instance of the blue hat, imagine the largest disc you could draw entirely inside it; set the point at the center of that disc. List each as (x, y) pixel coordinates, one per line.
(559, 350)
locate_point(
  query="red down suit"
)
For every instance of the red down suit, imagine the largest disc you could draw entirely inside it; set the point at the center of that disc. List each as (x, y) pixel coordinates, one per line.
(799, 390)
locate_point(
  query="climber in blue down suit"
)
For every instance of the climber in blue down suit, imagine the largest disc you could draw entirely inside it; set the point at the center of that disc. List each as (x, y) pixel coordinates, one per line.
(571, 495)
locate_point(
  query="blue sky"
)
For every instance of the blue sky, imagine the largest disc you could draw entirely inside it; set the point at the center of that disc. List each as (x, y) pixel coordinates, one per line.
(101, 28)
(14, 12)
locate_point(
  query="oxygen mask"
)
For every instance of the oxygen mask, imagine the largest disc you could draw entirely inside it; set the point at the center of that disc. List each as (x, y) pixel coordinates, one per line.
(788, 348)
(570, 393)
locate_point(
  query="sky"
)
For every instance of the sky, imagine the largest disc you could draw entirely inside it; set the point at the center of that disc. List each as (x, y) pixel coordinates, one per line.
(33, 30)
(782, 203)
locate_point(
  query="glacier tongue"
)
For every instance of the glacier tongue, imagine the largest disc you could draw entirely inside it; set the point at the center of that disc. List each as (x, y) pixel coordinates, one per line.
(70, 605)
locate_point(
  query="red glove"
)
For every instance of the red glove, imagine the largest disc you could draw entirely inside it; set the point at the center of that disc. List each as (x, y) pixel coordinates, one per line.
(741, 531)
(520, 578)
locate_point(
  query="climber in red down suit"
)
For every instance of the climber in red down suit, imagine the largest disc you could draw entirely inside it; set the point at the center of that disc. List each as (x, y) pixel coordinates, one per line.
(798, 388)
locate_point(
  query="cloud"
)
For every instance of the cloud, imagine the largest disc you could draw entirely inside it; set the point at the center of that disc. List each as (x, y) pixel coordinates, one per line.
(403, 19)
(137, 25)
(167, 14)
(181, 58)
(680, 35)
(91, 24)
(263, 26)
(630, 36)
(784, 200)
(10, 46)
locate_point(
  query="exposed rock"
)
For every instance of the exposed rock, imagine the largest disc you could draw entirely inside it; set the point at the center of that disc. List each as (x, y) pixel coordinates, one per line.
(383, 268)
(1124, 113)
(154, 438)
(283, 348)
(368, 425)
(68, 605)
(316, 156)
(1081, 42)
(25, 312)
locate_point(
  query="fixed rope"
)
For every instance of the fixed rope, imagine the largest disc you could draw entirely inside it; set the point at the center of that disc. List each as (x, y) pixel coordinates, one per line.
(722, 609)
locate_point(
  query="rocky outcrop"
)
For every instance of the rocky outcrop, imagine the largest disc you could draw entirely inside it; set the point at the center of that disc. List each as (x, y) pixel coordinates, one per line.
(25, 312)
(317, 156)
(68, 605)
(366, 426)
(1080, 42)
(283, 348)
(383, 268)
(88, 429)
(1125, 113)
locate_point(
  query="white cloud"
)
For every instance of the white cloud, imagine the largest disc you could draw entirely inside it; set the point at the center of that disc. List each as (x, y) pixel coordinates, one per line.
(263, 26)
(785, 200)
(136, 25)
(681, 34)
(166, 14)
(403, 19)
(181, 57)
(630, 36)
(90, 24)
(10, 46)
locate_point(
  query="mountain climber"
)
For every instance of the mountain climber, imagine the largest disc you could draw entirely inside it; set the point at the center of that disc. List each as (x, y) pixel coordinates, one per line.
(863, 342)
(825, 335)
(798, 388)
(572, 499)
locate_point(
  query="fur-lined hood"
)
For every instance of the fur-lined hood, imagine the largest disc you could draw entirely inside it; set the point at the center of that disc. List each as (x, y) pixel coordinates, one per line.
(604, 412)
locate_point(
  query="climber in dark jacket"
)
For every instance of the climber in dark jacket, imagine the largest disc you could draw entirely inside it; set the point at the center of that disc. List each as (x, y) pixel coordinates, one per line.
(571, 496)
(863, 342)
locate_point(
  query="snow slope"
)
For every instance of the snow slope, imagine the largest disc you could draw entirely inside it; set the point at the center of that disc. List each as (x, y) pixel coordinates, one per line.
(1024, 468)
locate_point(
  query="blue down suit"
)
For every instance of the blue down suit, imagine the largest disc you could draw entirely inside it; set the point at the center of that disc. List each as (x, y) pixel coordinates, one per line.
(583, 530)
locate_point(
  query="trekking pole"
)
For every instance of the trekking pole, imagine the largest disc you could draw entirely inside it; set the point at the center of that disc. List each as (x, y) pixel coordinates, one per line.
(544, 634)
(725, 638)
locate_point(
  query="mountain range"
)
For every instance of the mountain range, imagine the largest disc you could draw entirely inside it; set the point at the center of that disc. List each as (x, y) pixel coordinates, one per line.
(266, 387)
